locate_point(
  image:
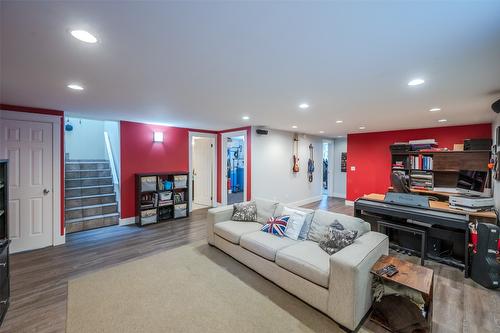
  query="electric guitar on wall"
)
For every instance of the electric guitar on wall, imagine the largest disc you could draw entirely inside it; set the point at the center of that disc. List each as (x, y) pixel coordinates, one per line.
(295, 163)
(295, 167)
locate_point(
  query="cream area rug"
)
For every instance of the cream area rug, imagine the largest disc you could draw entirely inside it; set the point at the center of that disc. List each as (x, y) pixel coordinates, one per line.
(194, 288)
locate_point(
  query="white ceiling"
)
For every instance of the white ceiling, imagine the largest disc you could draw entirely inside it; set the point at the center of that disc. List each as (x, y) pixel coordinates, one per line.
(206, 64)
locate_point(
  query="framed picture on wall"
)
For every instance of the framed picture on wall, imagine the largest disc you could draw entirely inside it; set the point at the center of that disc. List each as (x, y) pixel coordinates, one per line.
(343, 162)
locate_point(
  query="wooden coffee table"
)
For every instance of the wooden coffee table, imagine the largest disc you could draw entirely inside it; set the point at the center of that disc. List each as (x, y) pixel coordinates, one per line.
(412, 276)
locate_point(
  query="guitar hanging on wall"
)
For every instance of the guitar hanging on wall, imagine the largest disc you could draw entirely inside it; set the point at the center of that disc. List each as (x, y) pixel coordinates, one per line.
(310, 163)
(295, 167)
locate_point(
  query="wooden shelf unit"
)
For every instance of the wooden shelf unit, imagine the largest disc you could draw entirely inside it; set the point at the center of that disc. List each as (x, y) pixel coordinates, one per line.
(445, 164)
(161, 197)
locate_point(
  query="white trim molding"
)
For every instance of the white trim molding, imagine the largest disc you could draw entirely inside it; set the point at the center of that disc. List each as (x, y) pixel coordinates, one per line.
(349, 203)
(339, 195)
(127, 221)
(55, 121)
(307, 200)
(214, 171)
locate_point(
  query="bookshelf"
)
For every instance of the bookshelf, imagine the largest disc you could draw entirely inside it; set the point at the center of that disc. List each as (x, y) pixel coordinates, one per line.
(428, 169)
(161, 197)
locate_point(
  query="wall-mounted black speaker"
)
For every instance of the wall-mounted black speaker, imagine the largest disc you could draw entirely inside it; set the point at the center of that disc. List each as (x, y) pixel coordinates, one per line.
(261, 131)
(496, 106)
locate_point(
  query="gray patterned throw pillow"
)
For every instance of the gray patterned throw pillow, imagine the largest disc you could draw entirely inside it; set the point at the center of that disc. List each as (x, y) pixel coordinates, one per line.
(335, 240)
(245, 212)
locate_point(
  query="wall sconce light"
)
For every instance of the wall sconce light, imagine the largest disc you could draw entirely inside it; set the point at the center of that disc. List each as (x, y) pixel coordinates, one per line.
(157, 136)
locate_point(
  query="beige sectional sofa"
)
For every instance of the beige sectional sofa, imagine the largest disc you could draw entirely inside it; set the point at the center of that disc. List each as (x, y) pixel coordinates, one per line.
(338, 285)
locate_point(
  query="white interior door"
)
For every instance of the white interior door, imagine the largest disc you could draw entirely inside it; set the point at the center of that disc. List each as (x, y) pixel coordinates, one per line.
(28, 147)
(203, 170)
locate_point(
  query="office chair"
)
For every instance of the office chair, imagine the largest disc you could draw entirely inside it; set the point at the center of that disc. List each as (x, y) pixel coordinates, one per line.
(399, 182)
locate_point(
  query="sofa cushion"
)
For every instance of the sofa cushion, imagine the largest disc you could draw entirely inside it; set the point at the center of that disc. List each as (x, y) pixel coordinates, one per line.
(264, 244)
(295, 223)
(337, 239)
(307, 260)
(245, 211)
(307, 223)
(323, 219)
(276, 225)
(265, 209)
(232, 230)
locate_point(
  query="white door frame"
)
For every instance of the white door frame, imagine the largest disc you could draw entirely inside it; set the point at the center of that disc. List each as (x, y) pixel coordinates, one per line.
(223, 162)
(330, 170)
(55, 121)
(214, 159)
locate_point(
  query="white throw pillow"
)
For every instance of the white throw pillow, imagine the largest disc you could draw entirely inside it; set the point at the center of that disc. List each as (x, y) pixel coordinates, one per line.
(295, 223)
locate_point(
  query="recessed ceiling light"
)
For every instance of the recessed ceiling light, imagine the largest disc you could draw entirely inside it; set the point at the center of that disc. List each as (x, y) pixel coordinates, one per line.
(362, 127)
(84, 36)
(75, 86)
(304, 106)
(416, 82)
(442, 120)
(435, 109)
(245, 117)
(321, 132)
(294, 126)
(339, 121)
(339, 136)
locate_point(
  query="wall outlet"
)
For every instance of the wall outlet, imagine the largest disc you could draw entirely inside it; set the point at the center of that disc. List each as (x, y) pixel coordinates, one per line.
(353, 168)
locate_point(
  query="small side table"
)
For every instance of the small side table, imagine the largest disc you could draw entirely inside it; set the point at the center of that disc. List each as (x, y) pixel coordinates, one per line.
(411, 276)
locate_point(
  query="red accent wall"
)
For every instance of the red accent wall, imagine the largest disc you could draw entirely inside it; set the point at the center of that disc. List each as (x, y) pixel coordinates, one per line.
(27, 109)
(140, 154)
(369, 153)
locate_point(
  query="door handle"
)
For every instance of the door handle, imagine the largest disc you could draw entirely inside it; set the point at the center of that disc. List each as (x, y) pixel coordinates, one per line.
(45, 191)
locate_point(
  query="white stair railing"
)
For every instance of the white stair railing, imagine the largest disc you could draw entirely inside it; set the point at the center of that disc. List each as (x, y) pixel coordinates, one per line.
(111, 159)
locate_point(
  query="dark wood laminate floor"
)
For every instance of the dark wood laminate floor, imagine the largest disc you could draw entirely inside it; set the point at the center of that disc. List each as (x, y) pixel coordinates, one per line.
(39, 278)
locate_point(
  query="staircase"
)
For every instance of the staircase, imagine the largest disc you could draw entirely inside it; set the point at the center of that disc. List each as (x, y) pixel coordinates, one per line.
(90, 200)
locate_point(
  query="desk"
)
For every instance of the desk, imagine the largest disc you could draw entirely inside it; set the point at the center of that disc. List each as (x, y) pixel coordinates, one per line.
(487, 217)
(373, 206)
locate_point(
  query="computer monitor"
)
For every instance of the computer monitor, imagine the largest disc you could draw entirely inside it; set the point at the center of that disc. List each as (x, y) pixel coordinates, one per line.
(471, 182)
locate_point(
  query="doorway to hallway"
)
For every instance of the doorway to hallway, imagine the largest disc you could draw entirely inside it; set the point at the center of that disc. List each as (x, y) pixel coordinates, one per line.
(234, 169)
(203, 168)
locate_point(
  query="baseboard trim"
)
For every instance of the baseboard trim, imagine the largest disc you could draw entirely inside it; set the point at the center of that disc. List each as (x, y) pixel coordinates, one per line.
(307, 201)
(60, 239)
(349, 203)
(338, 195)
(127, 221)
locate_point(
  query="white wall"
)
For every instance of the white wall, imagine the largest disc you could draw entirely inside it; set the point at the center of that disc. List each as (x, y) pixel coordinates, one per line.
(272, 161)
(339, 178)
(86, 140)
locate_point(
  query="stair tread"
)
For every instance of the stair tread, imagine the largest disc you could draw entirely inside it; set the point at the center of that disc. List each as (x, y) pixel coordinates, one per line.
(86, 162)
(91, 218)
(92, 186)
(90, 196)
(89, 178)
(92, 206)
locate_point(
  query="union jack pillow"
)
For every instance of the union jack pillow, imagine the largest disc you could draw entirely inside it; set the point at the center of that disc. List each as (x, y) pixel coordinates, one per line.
(276, 225)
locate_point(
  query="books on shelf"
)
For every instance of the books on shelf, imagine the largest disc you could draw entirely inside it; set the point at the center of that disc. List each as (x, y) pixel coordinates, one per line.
(421, 162)
(422, 180)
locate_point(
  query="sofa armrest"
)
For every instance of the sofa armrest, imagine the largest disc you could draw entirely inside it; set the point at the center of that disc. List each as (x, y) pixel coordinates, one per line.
(350, 278)
(216, 215)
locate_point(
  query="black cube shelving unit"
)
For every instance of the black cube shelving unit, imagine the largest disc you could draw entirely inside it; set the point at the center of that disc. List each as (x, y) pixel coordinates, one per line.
(4, 241)
(161, 197)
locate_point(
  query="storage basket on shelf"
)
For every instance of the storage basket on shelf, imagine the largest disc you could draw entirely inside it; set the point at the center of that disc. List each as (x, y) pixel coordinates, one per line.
(180, 210)
(180, 181)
